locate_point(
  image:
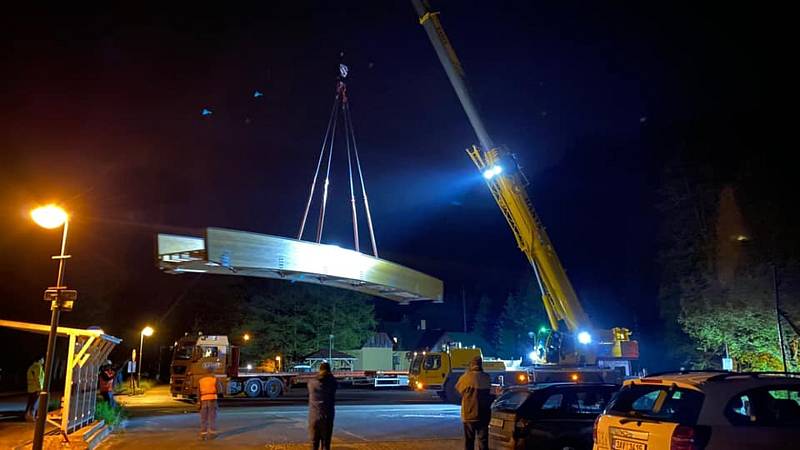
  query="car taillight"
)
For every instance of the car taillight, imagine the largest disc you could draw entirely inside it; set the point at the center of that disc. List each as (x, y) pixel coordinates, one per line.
(594, 429)
(683, 438)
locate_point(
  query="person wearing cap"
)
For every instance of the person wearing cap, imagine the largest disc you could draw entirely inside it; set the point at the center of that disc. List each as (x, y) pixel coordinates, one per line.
(208, 387)
(474, 386)
(106, 383)
(321, 407)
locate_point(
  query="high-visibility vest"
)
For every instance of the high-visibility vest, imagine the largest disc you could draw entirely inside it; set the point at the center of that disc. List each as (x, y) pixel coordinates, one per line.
(208, 388)
(35, 377)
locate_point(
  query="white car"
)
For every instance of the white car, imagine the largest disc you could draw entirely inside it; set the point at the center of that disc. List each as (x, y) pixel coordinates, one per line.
(703, 411)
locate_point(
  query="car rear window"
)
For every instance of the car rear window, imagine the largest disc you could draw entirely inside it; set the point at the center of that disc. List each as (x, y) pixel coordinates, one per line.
(657, 402)
(511, 400)
(590, 401)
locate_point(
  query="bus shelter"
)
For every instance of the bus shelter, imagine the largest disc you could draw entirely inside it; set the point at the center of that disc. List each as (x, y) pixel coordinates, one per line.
(86, 352)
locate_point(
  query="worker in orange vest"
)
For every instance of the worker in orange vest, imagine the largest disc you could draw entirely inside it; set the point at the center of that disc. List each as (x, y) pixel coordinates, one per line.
(208, 387)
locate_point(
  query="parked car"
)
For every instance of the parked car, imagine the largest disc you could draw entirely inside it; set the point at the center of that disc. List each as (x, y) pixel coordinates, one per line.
(548, 416)
(703, 411)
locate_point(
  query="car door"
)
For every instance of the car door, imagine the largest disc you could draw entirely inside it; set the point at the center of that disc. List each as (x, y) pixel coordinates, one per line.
(543, 423)
(760, 419)
(583, 403)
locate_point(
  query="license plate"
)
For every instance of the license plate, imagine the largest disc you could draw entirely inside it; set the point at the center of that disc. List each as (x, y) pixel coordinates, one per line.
(498, 423)
(620, 444)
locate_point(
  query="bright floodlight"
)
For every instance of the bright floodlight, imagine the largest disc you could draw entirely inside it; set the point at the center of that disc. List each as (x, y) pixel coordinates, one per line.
(584, 337)
(49, 216)
(147, 331)
(492, 172)
(532, 355)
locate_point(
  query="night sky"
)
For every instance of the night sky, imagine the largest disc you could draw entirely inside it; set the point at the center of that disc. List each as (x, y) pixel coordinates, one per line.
(101, 111)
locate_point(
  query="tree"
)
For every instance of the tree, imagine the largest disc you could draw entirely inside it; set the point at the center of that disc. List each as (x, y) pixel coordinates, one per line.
(521, 315)
(486, 319)
(739, 317)
(296, 319)
(717, 289)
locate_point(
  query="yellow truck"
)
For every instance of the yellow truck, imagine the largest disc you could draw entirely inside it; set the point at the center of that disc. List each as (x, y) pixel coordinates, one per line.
(439, 371)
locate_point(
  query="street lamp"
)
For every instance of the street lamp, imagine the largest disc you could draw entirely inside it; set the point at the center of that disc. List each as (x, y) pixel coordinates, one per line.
(50, 217)
(246, 337)
(744, 239)
(330, 350)
(146, 331)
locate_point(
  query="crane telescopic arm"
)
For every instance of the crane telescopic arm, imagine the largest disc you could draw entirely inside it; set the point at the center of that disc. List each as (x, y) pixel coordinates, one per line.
(507, 185)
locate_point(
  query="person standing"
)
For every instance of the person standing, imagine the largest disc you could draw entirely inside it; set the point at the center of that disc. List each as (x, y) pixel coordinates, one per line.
(474, 386)
(106, 383)
(208, 386)
(35, 385)
(321, 407)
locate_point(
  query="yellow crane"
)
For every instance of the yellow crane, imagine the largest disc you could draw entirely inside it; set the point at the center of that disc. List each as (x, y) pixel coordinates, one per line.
(573, 340)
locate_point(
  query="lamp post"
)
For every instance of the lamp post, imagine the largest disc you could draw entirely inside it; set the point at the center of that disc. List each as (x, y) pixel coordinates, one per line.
(744, 239)
(50, 217)
(146, 331)
(330, 350)
(778, 315)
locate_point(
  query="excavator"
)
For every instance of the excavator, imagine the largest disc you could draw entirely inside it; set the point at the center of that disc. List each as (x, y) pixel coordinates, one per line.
(573, 345)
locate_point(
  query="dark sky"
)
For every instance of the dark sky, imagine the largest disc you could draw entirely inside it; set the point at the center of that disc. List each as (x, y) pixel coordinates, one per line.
(101, 110)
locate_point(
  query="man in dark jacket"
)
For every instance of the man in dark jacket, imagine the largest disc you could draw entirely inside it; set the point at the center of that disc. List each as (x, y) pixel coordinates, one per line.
(321, 407)
(474, 387)
(106, 383)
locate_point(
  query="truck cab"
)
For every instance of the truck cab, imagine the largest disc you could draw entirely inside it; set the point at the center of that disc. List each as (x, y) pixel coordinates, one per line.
(192, 357)
(439, 371)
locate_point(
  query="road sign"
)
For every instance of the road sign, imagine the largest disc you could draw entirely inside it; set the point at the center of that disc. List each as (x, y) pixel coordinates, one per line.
(64, 298)
(727, 363)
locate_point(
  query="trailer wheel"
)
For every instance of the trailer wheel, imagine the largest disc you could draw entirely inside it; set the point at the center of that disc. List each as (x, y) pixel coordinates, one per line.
(273, 388)
(252, 387)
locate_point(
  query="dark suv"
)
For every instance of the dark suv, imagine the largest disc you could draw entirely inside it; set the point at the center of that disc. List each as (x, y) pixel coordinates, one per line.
(548, 416)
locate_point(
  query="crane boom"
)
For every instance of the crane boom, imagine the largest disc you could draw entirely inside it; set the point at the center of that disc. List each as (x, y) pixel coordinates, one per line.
(508, 190)
(452, 66)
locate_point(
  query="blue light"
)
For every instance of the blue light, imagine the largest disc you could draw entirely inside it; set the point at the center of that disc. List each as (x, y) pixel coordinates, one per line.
(257, 94)
(584, 337)
(206, 112)
(492, 172)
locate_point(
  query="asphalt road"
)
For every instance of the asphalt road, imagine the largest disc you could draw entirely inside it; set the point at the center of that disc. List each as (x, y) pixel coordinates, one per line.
(362, 417)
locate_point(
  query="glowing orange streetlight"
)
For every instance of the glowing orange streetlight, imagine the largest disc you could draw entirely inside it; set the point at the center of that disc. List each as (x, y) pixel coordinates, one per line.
(50, 217)
(146, 331)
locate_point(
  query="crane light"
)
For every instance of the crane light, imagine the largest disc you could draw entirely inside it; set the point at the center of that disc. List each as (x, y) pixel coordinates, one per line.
(491, 172)
(584, 337)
